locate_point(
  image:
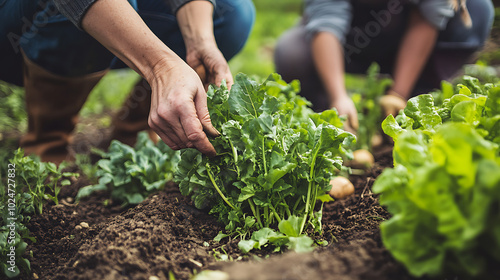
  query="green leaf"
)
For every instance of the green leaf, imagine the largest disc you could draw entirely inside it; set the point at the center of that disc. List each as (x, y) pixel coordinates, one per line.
(220, 236)
(88, 190)
(247, 245)
(421, 109)
(391, 127)
(325, 198)
(301, 244)
(242, 100)
(291, 226)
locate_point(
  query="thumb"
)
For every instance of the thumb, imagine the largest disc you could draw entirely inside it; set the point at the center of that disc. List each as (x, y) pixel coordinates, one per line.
(353, 121)
(203, 114)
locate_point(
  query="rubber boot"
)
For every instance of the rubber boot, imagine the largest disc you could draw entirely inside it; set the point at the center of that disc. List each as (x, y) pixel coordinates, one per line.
(132, 117)
(53, 103)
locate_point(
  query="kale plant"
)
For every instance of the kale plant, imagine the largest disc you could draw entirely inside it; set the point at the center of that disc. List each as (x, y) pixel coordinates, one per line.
(134, 173)
(275, 159)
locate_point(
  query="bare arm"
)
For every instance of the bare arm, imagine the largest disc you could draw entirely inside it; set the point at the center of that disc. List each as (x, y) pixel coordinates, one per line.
(178, 108)
(415, 49)
(328, 58)
(202, 53)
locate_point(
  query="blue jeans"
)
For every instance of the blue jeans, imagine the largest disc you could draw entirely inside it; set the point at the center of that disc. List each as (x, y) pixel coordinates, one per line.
(50, 40)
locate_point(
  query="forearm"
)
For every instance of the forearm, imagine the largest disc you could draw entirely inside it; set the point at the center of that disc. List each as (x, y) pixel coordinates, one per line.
(117, 26)
(414, 51)
(328, 58)
(196, 23)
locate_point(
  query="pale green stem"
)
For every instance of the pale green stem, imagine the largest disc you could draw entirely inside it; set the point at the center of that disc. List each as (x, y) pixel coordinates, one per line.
(255, 212)
(217, 187)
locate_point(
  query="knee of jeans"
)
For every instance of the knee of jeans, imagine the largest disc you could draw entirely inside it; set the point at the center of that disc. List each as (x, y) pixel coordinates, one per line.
(482, 13)
(233, 22)
(292, 56)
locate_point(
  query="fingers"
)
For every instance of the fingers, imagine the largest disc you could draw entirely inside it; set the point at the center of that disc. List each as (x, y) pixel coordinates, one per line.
(353, 120)
(182, 131)
(391, 104)
(177, 123)
(200, 70)
(204, 116)
(194, 124)
(223, 73)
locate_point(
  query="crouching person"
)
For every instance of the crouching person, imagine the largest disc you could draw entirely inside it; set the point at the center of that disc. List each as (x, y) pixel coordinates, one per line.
(59, 50)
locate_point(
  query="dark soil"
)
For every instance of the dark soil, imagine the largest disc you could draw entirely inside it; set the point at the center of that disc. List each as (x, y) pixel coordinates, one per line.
(167, 235)
(355, 250)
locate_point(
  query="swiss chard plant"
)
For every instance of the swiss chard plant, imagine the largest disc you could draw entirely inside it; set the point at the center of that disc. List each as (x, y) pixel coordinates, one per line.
(444, 189)
(275, 158)
(131, 174)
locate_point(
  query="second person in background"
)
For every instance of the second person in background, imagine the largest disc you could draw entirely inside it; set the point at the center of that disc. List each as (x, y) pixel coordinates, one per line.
(418, 42)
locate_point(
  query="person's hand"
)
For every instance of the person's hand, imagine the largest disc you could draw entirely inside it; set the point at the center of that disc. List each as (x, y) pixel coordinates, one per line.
(345, 106)
(209, 63)
(179, 113)
(195, 20)
(392, 103)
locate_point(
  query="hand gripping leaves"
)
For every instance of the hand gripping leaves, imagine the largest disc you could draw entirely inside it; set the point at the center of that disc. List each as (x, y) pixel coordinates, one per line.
(274, 160)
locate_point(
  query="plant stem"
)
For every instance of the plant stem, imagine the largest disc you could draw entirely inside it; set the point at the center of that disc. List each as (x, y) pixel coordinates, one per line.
(275, 214)
(309, 190)
(266, 215)
(306, 210)
(296, 204)
(255, 212)
(235, 156)
(209, 171)
(264, 156)
(288, 212)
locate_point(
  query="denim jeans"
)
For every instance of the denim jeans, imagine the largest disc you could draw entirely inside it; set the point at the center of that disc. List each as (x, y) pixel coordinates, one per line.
(50, 40)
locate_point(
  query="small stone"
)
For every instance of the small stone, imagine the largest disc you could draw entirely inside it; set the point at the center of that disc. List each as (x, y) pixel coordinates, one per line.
(78, 227)
(62, 222)
(69, 200)
(84, 225)
(74, 213)
(154, 278)
(35, 276)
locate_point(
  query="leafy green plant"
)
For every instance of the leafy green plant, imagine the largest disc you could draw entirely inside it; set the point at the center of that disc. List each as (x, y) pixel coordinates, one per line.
(27, 184)
(43, 180)
(274, 160)
(444, 189)
(366, 101)
(444, 194)
(133, 173)
(12, 111)
(472, 103)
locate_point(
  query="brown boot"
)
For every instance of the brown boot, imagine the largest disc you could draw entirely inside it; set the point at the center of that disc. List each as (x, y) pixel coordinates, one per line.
(53, 103)
(133, 115)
